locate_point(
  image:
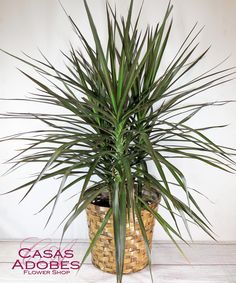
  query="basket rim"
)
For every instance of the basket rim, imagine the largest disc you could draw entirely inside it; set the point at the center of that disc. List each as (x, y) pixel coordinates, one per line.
(152, 203)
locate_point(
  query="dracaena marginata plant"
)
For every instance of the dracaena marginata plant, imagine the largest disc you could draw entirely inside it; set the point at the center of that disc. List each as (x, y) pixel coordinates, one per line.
(125, 110)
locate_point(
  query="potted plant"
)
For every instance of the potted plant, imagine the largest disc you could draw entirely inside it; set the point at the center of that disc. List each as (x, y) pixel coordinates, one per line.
(122, 114)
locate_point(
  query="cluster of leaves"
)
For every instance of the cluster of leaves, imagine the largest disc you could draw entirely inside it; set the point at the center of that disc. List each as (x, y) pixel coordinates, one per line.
(123, 113)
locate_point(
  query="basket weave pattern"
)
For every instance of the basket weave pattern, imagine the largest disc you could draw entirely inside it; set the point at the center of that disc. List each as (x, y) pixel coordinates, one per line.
(103, 253)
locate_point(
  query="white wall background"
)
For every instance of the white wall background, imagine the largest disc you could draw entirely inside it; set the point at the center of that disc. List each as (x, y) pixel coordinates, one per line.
(26, 25)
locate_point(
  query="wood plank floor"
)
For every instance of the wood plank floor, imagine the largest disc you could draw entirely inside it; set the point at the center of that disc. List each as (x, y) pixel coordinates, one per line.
(207, 263)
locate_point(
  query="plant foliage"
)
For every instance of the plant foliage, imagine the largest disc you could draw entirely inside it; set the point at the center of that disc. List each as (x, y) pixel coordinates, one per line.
(123, 113)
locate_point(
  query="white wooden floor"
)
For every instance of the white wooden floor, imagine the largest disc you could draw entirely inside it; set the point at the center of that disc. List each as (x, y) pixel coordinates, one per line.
(207, 263)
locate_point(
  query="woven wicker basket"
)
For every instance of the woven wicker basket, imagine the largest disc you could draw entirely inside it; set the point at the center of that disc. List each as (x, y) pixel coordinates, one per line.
(103, 253)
